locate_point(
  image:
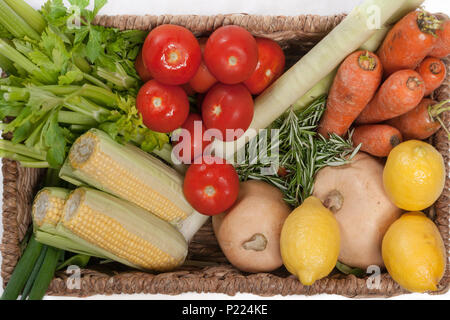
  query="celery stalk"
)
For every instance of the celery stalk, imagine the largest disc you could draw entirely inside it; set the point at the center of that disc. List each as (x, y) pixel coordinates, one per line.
(19, 59)
(76, 118)
(22, 150)
(120, 80)
(15, 24)
(31, 16)
(7, 66)
(99, 95)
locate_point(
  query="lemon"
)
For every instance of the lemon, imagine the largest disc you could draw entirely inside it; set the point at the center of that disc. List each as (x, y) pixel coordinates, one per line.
(310, 241)
(414, 175)
(414, 253)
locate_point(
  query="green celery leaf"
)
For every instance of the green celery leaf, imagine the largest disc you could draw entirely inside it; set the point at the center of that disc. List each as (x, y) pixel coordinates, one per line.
(98, 5)
(94, 46)
(72, 76)
(81, 34)
(55, 12)
(55, 141)
(22, 132)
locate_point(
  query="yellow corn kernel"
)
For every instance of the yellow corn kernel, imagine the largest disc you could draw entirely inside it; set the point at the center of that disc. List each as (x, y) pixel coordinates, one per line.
(123, 230)
(48, 206)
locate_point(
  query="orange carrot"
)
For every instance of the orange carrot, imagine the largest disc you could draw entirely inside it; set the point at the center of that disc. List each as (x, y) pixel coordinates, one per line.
(377, 139)
(400, 93)
(421, 122)
(433, 72)
(354, 86)
(408, 42)
(442, 46)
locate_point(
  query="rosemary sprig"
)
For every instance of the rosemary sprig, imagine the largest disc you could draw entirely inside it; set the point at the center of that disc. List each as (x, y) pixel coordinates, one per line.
(302, 153)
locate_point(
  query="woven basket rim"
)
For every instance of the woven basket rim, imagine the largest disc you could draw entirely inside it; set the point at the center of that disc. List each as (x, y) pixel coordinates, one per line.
(20, 185)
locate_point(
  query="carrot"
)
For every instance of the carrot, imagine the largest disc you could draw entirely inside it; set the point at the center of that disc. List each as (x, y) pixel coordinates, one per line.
(442, 46)
(421, 122)
(408, 42)
(400, 93)
(354, 86)
(433, 72)
(377, 139)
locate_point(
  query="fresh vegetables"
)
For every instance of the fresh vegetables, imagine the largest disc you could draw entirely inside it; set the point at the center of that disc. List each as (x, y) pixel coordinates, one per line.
(87, 70)
(400, 93)
(414, 252)
(229, 110)
(164, 108)
(433, 72)
(441, 48)
(302, 153)
(414, 175)
(356, 196)
(211, 186)
(203, 79)
(354, 86)
(271, 63)
(122, 231)
(310, 241)
(47, 213)
(351, 33)
(377, 139)
(127, 172)
(409, 42)
(372, 44)
(172, 54)
(423, 121)
(250, 246)
(193, 140)
(231, 54)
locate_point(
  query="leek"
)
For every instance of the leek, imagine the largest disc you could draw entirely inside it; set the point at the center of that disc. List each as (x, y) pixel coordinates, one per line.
(346, 38)
(372, 44)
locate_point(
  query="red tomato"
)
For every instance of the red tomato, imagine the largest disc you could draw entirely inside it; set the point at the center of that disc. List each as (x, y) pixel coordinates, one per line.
(228, 107)
(231, 54)
(172, 54)
(270, 66)
(196, 144)
(211, 187)
(164, 108)
(141, 68)
(203, 79)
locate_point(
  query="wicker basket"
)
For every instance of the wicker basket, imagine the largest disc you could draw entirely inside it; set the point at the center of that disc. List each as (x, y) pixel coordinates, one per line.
(297, 35)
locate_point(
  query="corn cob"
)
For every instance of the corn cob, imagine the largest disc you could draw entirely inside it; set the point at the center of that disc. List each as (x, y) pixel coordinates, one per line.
(48, 206)
(133, 175)
(47, 212)
(122, 231)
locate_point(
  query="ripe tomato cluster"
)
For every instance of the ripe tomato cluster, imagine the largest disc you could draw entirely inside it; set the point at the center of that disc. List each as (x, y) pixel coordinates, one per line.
(224, 71)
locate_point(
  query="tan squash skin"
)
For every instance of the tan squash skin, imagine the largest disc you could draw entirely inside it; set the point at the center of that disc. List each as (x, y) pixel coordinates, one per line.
(249, 233)
(366, 212)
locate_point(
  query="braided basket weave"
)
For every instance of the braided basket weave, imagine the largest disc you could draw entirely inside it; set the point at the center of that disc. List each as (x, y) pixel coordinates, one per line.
(212, 274)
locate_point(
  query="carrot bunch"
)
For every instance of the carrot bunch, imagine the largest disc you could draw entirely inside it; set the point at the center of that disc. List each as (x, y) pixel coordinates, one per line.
(385, 94)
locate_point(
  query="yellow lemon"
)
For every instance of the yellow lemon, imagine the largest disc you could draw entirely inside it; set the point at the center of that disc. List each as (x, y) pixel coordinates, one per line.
(310, 241)
(414, 175)
(414, 253)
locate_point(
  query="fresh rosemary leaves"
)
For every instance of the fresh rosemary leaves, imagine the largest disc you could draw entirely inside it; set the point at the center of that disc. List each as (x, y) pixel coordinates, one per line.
(302, 152)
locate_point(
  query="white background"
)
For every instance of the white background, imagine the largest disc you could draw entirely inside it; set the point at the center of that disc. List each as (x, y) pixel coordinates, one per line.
(264, 7)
